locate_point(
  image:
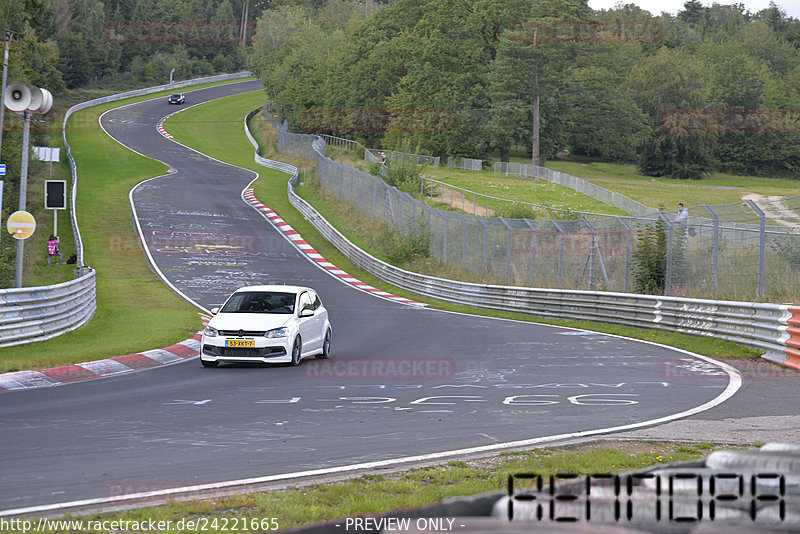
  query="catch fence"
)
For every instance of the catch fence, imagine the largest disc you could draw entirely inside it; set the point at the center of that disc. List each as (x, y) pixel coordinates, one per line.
(723, 251)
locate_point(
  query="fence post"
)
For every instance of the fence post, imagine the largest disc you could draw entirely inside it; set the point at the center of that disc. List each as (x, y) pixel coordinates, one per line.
(668, 272)
(762, 244)
(627, 252)
(532, 226)
(715, 250)
(560, 254)
(508, 249)
(485, 243)
(463, 239)
(444, 240)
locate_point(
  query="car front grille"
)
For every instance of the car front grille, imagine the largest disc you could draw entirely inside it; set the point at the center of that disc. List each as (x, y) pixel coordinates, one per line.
(236, 352)
(248, 333)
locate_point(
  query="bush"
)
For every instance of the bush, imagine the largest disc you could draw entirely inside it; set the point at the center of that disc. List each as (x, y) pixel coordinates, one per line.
(519, 211)
(408, 247)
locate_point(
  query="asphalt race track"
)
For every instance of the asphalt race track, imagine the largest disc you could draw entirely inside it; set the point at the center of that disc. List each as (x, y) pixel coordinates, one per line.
(402, 380)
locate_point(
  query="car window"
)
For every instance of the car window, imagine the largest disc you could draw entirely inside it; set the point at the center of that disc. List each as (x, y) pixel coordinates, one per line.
(305, 302)
(316, 302)
(260, 302)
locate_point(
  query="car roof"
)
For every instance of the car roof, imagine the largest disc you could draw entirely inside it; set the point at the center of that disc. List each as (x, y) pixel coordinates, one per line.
(275, 288)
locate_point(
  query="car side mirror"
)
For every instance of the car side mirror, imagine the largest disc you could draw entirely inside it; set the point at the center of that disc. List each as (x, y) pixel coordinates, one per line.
(307, 312)
(214, 311)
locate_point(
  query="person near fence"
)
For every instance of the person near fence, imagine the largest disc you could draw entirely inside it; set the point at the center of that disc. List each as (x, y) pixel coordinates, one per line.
(52, 249)
(683, 214)
(384, 163)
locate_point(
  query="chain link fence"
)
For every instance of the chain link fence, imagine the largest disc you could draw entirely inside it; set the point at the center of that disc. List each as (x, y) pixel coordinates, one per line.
(723, 251)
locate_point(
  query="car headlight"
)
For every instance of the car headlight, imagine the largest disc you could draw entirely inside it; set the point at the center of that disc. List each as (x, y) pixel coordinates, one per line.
(210, 331)
(278, 332)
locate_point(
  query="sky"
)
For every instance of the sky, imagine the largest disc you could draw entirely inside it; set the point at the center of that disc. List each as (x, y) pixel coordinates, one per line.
(791, 7)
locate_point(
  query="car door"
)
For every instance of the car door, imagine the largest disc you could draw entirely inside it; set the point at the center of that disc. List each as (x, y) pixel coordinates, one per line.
(321, 314)
(307, 325)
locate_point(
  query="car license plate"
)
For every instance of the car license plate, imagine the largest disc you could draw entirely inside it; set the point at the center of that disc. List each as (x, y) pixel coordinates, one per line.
(240, 343)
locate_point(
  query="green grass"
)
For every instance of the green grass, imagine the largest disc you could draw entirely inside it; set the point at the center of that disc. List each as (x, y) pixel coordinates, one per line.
(531, 191)
(135, 310)
(375, 494)
(717, 188)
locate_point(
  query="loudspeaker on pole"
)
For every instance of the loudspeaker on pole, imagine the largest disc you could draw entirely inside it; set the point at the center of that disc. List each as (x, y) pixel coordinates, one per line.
(18, 97)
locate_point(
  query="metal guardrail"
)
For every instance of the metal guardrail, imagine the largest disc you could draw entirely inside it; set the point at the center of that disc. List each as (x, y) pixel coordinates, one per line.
(31, 314)
(772, 328)
(40, 313)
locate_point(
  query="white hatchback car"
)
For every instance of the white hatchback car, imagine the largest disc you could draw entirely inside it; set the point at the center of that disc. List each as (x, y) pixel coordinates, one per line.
(267, 324)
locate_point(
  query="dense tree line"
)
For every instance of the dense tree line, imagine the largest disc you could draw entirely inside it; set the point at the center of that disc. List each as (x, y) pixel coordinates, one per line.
(65, 44)
(710, 88)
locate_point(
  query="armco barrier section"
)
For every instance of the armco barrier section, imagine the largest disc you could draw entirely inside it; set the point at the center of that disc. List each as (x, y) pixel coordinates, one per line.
(38, 313)
(772, 328)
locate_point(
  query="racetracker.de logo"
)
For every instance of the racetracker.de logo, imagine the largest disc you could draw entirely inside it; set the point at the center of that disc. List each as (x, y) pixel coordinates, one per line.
(378, 120)
(188, 32)
(586, 31)
(722, 121)
(380, 369)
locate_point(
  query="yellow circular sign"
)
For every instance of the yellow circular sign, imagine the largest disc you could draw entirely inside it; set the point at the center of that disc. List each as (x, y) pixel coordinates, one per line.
(21, 224)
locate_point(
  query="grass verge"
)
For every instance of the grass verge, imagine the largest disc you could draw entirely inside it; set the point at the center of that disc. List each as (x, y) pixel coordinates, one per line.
(135, 310)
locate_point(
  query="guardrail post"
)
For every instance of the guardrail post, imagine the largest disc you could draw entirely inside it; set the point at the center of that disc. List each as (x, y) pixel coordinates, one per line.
(715, 250)
(762, 243)
(532, 226)
(668, 272)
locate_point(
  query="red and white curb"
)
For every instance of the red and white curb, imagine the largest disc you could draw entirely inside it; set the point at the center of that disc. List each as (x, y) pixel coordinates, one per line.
(298, 240)
(79, 372)
(160, 125)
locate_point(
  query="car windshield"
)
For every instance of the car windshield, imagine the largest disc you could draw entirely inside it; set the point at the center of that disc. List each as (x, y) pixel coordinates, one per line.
(260, 302)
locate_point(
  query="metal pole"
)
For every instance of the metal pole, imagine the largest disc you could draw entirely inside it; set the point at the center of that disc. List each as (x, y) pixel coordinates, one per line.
(762, 243)
(715, 259)
(508, 248)
(444, 244)
(7, 34)
(560, 254)
(668, 271)
(23, 192)
(627, 253)
(533, 249)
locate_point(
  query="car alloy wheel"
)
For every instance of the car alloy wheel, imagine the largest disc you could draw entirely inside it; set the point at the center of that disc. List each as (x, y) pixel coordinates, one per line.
(296, 350)
(326, 346)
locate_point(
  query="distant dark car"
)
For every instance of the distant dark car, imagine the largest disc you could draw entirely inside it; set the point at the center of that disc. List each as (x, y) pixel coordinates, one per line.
(177, 98)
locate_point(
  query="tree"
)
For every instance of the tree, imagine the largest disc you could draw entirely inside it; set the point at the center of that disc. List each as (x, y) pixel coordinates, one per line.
(671, 81)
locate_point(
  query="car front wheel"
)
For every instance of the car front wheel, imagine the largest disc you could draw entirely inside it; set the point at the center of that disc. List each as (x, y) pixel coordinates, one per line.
(297, 349)
(326, 346)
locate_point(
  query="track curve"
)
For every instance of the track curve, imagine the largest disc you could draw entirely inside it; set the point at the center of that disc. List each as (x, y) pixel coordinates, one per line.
(474, 381)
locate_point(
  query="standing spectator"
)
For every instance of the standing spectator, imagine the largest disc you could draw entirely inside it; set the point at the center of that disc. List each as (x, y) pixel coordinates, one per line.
(52, 249)
(683, 214)
(384, 162)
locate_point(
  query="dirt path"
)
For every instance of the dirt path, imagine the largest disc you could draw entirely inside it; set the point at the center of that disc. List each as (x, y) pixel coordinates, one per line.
(775, 210)
(465, 204)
